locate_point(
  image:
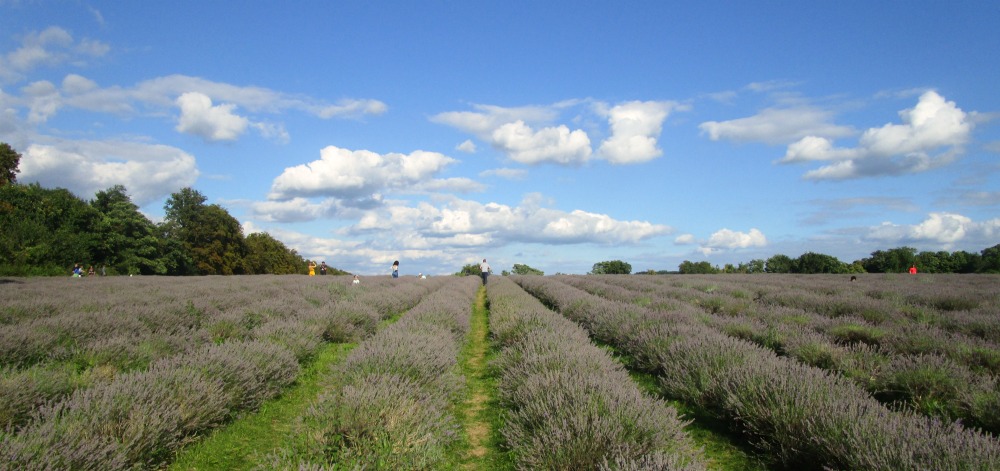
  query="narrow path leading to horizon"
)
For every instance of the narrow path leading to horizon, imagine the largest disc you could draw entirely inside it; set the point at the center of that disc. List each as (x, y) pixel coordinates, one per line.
(477, 414)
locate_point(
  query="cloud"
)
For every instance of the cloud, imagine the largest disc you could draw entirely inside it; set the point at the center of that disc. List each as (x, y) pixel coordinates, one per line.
(211, 123)
(148, 171)
(684, 239)
(726, 239)
(469, 223)
(194, 97)
(635, 128)
(529, 135)
(776, 126)
(942, 229)
(505, 173)
(344, 173)
(932, 134)
(467, 146)
(552, 144)
(49, 47)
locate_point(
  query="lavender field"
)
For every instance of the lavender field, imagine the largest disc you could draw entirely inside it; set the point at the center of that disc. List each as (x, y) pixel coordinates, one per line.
(808, 372)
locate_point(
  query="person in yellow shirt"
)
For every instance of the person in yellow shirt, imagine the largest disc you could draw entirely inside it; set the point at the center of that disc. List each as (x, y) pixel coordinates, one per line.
(312, 268)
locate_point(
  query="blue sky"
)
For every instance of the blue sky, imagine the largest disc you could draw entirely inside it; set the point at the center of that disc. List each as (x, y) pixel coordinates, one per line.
(553, 134)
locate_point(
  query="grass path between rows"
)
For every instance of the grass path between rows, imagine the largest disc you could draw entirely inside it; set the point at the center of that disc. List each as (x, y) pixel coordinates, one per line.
(479, 413)
(244, 443)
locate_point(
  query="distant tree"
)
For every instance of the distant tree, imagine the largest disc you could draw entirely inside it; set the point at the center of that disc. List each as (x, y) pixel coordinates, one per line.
(265, 254)
(44, 231)
(470, 269)
(212, 239)
(126, 238)
(897, 260)
(753, 266)
(696, 268)
(966, 262)
(520, 269)
(811, 262)
(10, 159)
(779, 263)
(612, 267)
(991, 260)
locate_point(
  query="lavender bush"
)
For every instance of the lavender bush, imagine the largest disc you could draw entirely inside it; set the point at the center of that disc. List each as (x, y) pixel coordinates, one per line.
(571, 405)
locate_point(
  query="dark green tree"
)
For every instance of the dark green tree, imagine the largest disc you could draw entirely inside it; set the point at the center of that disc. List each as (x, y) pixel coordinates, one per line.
(612, 267)
(470, 269)
(811, 262)
(897, 260)
(212, 240)
(696, 268)
(990, 260)
(10, 159)
(44, 231)
(520, 269)
(265, 254)
(126, 238)
(779, 263)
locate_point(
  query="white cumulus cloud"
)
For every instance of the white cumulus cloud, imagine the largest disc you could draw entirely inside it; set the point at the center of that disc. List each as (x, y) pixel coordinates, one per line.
(467, 222)
(147, 171)
(552, 144)
(635, 129)
(349, 174)
(727, 239)
(932, 134)
(211, 122)
(943, 229)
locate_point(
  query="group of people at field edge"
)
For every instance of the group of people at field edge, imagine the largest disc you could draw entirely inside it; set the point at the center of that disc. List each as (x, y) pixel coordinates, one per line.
(484, 269)
(322, 268)
(79, 273)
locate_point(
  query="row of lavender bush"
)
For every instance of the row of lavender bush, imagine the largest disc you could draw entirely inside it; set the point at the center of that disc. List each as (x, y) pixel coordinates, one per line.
(52, 347)
(135, 416)
(916, 366)
(799, 415)
(570, 405)
(391, 404)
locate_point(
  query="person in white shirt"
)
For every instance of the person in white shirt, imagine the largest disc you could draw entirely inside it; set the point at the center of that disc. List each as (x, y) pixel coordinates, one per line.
(485, 269)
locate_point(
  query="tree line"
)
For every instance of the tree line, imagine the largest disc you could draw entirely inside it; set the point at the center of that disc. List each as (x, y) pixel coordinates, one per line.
(897, 260)
(48, 231)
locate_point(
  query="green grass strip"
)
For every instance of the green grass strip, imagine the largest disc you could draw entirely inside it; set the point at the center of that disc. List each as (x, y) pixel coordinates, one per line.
(243, 443)
(479, 413)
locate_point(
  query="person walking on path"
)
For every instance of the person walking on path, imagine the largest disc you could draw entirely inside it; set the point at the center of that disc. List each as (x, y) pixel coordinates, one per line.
(484, 268)
(395, 269)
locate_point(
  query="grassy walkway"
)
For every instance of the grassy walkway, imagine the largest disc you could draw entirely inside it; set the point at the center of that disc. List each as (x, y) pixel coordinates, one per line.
(244, 443)
(479, 413)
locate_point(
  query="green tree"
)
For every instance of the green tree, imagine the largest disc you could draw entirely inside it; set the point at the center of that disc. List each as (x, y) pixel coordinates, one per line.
(470, 269)
(520, 269)
(10, 159)
(779, 263)
(990, 262)
(265, 254)
(212, 240)
(612, 267)
(811, 262)
(696, 268)
(126, 239)
(44, 231)
(897, 260)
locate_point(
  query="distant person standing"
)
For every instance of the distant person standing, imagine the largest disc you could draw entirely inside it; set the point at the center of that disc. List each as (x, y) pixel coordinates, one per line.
(395, 269)
(913, 269)
(312, 268)
(484, 269)
(322, 268)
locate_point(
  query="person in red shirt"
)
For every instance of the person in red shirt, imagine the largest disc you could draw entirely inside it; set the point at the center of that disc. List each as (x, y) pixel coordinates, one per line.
(913, 269)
